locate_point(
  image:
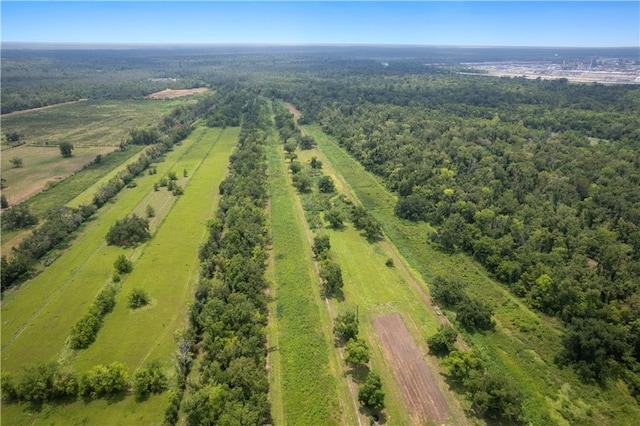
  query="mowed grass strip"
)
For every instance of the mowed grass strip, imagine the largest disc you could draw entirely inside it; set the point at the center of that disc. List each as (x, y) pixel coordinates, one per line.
(524, 343)
(305, 387)
(37, 317)
(169, 267)
(375, 289)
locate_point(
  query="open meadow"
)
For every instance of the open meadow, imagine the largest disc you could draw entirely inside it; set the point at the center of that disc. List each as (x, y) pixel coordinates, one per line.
(304, 389)
(166, 267)
(90, 123)
(93, 128)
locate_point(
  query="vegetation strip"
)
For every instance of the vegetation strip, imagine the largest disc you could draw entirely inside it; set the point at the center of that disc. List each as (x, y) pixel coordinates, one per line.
(229, 313)
(308, 389)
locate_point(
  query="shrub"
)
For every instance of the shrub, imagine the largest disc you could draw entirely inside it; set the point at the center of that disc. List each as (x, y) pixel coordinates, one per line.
(326, 185)
(321, 246)
(371, 395)
(357, 352)
(345, 326)
(18, 217)
(103, 380)
(149, 380)
(331, 275)
(129, 231)
(123, 265)
(138, 298)
(443, 341)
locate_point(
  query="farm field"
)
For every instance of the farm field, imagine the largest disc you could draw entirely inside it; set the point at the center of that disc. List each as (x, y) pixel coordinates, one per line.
(166, 268)
(376, 290)
(90, 123)
(522, 341)
(73, 191)
(304, 389)
(41, 166)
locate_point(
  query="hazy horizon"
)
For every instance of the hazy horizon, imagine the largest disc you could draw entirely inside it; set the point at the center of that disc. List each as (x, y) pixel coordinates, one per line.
(572, 24)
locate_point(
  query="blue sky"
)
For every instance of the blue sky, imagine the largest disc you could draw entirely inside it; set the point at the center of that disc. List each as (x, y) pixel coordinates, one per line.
(476, 23)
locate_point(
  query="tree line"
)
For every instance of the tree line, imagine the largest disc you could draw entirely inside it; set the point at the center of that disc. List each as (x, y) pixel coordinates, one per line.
(229, 313)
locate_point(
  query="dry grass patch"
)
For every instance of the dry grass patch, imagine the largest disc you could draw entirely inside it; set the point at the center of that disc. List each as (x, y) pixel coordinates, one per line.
(176, 93)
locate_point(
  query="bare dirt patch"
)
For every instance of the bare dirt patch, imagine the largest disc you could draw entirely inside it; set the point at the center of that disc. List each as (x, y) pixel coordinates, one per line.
(293, 110)
(25, 111)
(41, 166)
(176, 93)
(416, 382)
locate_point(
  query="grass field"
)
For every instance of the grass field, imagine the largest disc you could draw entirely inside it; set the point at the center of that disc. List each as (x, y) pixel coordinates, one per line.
(37, 318)
(42, 166)
(94, 127)
(73, 191)
(524, 343)
(303, 389)
(91, 123)
(375, 289)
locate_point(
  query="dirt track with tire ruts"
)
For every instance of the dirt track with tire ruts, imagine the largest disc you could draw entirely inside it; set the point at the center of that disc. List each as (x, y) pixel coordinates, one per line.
(416, 382)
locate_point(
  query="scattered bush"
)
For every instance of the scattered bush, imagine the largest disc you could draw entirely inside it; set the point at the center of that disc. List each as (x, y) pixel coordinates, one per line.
(321, 246)
(138, 298)
(85, 330)
(357, 352)
(326, 185)
(150, 211)
(123, 265)
(331, 275)
(18, 217)
(443, 341)
(371, 395)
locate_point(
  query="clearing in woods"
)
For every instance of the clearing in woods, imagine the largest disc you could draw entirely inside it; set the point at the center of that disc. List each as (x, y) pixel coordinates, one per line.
(176, 93)
(416, 382)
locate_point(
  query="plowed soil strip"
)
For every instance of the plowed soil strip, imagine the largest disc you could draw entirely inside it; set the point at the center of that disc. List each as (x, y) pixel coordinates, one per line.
(416, 382)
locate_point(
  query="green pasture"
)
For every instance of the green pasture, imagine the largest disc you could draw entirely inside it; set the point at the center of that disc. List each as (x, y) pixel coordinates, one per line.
(375, 289)
(90, 123)
(169, 266)
(524, 342)
(304, 391)
(37, 318)
(73, 191)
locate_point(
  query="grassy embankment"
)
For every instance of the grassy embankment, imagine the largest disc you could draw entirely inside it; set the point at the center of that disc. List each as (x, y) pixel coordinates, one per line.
(524, 343)
(304, 389)
(166, 268)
